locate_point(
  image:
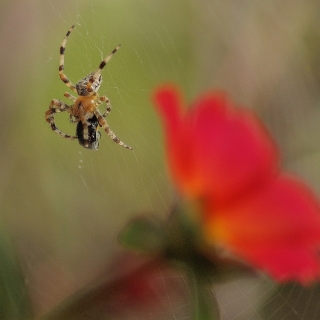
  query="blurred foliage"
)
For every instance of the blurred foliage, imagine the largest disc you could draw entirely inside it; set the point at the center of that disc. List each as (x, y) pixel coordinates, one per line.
(14, 300)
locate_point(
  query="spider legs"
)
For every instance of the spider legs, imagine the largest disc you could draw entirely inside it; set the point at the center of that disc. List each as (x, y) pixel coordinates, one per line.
(73, 98)
(103, 123)
(70, 96)
(107, 101)
(96, 74)
(55, 107)
(63, 77)
(107, 59)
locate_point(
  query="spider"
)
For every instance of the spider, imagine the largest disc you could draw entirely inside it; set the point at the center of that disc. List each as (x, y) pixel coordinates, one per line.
(84, 109)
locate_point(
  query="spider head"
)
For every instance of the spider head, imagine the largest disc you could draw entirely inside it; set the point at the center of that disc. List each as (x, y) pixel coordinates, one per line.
(82, 85)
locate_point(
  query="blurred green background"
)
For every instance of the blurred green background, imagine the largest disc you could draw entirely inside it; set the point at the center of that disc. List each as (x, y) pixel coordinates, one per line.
(62, 206)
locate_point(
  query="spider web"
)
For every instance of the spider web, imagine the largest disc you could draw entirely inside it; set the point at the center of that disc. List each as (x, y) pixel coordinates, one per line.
(86, 197)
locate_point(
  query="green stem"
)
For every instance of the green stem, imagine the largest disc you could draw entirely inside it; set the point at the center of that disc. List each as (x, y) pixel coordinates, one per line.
(205, 306)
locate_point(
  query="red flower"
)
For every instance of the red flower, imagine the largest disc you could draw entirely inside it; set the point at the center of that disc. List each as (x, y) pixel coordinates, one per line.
(224, 157)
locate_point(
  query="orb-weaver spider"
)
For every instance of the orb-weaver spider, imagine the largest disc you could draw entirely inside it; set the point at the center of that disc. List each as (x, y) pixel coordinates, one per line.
(84, 110)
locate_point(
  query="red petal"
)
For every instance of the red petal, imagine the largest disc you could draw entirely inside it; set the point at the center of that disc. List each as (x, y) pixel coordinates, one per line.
(168, 101)
(277, 229)
(215, 148)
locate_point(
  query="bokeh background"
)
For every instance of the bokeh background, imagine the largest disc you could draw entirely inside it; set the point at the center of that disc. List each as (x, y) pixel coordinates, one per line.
(62, 206)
